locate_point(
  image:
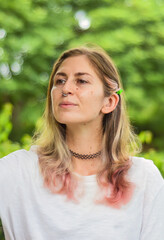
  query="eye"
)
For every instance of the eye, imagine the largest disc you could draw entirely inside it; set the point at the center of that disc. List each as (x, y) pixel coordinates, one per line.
(60, 81)
(81, 81)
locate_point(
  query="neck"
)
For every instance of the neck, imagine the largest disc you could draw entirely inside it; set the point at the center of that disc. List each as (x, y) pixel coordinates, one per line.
(85, 140)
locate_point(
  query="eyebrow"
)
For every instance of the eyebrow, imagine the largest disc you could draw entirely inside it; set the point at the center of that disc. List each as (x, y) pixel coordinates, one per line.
(76, 74)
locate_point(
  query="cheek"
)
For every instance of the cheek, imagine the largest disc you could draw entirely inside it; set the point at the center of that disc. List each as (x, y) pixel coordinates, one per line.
(95, 97)
(92, 102)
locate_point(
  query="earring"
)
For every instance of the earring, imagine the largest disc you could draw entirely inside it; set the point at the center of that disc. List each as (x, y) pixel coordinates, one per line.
(119, 91)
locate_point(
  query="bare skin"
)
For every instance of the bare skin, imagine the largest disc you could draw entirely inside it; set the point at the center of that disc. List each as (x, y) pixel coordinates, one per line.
(81, 110)
(85, 139)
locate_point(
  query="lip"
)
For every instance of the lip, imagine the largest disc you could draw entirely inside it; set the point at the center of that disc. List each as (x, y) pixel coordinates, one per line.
(67, 104)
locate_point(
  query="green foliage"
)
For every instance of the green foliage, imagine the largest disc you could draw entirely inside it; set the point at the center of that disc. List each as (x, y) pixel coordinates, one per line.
(6, 145)
(1, 233)
(157, 157)
(146, 137)
(33, 33)
(5, 124)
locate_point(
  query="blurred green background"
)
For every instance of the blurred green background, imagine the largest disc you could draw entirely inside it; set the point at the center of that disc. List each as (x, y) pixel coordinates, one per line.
(34, 32)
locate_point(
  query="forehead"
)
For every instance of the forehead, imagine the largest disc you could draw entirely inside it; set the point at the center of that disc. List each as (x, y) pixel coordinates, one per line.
(77, 64)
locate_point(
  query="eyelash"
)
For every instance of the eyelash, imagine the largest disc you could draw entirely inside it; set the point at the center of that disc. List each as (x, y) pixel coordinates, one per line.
(82, 81)
(62, 81)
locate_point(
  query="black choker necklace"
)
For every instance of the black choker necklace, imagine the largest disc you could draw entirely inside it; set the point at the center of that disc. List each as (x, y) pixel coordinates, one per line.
(85, 156)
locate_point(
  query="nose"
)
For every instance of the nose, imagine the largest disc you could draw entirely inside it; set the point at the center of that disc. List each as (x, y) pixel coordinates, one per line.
(68, 87)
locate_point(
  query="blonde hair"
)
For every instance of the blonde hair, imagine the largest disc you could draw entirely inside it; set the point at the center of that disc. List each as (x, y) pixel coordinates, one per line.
(119, 141)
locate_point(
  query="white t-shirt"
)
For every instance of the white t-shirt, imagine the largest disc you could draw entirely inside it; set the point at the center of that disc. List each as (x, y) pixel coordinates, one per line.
(29, 211)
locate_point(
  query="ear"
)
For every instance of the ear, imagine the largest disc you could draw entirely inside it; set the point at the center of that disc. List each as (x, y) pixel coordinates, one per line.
(110, 103)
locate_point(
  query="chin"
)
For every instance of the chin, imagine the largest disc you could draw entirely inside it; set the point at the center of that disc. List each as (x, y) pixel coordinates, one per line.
(64, 120)
(71, 121)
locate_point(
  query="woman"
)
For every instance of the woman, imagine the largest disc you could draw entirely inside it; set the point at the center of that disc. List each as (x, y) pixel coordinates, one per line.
(80, 180)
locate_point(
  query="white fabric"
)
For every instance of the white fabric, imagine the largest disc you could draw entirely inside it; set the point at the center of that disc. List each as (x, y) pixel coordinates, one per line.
(30, 212)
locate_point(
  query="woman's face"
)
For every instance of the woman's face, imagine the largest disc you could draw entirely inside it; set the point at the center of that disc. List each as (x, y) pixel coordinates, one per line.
(84, 92)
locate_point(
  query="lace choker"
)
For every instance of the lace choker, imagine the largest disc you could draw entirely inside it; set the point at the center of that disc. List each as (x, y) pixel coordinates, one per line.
(85, 156)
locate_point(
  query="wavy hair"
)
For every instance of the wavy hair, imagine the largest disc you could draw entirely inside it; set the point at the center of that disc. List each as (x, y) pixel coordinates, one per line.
(119, 140)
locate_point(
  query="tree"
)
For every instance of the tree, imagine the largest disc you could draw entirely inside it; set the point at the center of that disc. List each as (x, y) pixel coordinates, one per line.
(34, 33)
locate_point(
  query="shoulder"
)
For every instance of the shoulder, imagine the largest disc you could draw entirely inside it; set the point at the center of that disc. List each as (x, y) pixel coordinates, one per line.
(146, 167)
(150, 196)
(17, 169)
(146, 175)
(19, 155)
(17, 160)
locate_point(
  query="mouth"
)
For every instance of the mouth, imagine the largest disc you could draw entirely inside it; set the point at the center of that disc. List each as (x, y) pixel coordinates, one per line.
(67, 104)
